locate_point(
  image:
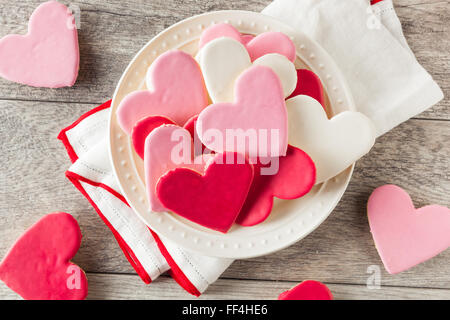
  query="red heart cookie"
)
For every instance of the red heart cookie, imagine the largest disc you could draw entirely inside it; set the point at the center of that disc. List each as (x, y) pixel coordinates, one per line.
(212, 200)
(176, 90)
(38, 268)
(295, 176)
(406, 236)
(309, 84)
(48, 56)
(307, 290)
(143, 128)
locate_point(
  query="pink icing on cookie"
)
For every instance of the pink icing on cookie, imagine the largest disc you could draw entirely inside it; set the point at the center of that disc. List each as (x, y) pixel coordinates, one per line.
(143, 128)
(307, 290)
(295, 177)
(218, 31)
(271, 42)
(166, 148)
(246, 38)
(406, 236)
(177, 92)
(212, 200)
(265, 43)
(309, 84)
(38, 268)
(259, 111)
(48, 56)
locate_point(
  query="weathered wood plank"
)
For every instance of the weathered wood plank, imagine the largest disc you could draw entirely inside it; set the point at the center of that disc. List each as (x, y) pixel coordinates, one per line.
(415, 156)
(112, 33)
(121, 287)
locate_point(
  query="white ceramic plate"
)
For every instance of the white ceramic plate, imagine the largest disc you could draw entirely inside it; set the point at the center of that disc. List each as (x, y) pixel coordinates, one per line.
(290, 220)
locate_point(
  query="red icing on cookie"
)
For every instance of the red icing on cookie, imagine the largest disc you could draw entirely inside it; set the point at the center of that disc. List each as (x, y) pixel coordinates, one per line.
(190, 126)
(309, 84)
(143, 128)
(295, 178)
(37, 267)
(307, 290)
(212, 200)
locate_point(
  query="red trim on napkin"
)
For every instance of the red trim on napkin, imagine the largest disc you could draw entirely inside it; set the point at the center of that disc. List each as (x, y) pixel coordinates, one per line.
(129, 254)
(63, 137)
(176, 273)
(372, 2)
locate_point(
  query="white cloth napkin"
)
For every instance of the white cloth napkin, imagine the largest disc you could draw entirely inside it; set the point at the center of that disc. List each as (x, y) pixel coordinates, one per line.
(388, 85)
(367, 43)
(91, 172)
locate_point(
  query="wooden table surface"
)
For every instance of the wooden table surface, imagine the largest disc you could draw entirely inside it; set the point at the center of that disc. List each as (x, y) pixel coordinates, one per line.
(340, 252)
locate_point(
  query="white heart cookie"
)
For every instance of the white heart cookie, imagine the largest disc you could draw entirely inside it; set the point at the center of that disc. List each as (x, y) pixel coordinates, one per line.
(333, 144)
(223, 60)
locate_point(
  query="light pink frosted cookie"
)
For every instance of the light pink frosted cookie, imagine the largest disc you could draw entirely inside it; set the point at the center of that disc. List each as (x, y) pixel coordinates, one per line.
(166, 148)
(405, 236)
(259, 111)
(265, 43)
(38, 266)
(175, 90)
(48, 56)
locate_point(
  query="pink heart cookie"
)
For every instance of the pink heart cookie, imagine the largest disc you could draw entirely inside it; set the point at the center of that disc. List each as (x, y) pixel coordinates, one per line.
(176, 90)
(295, 177)
(307, 290)
(258, 117)
(212, 200)
(166, 148)
(405, 236)
(48, 56)
(265, 43)
(38, 268)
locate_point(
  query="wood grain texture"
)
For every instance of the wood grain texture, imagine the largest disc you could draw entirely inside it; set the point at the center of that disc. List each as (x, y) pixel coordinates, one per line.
(126, 287)
(414, 155)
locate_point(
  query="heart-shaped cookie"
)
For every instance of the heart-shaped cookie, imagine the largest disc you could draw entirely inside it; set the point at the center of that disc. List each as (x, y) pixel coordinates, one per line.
(294, 175)
(265, 43)
(213, 199)
(406, 236)
(309, 84)
(333, 144)
(307, 290)
(255, 124)
(223, 60)
(38, 268)
(48, 56)
(176, 90)
(143, 128)
(166, 147)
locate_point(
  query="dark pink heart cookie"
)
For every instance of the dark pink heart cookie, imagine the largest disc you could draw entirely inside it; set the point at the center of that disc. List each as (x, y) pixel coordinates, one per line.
(38, 266)
(213, 199)
(307, 290)
(295, 177)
